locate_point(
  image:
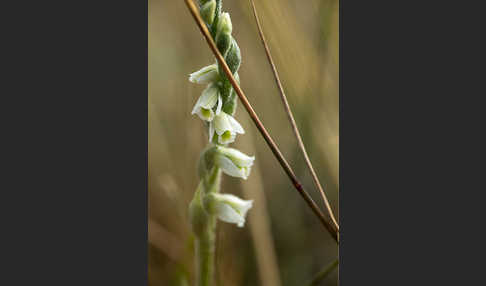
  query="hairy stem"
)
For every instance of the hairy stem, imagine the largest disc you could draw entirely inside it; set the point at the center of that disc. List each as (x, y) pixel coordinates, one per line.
(205, 246)
(205, 230)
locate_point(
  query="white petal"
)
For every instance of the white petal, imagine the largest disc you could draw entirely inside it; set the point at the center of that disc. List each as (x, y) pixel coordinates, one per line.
(222, 123)
(195, 110)
(239, 208)
(211, 131)
(235, 125)
(238, 157)
(228, 214)
(242, 206)
(197, 106)
(209, 97)
(229, 168)
(205, 103)
(246, 171)
(245, 207)
(220, 104)
(205, 75)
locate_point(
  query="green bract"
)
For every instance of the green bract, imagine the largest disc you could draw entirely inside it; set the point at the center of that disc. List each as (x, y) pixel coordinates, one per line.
(208, 11)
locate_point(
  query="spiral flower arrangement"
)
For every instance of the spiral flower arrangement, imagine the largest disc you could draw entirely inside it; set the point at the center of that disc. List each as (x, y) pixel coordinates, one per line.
(216, 107)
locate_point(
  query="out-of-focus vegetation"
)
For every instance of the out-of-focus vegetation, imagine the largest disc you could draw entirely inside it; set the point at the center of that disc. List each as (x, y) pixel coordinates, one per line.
(282, 243)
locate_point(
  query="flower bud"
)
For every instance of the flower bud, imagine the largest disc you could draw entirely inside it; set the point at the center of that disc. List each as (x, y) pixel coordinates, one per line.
(224, 25)
(223, 43)
(205, 75)
(233, 57)
(206, 161)
(209, 98)
(233, 162)
(227, 207)
(208, 11)
(229, 95)
(223, 37)
(225, 127)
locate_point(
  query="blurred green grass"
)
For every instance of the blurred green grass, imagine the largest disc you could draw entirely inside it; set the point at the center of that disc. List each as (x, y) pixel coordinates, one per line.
(304, 39)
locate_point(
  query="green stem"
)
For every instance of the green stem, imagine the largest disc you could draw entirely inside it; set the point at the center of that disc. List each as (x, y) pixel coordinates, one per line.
(324, 272)
(212, 181)
(205, 248)
(206, 239)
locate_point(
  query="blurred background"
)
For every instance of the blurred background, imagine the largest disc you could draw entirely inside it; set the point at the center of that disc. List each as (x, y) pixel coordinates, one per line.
(282, 243)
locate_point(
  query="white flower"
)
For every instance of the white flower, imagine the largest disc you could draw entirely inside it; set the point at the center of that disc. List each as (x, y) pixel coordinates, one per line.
(208, 99)
(225, 127)
(228, 208)
(205, 75)
(233, 162)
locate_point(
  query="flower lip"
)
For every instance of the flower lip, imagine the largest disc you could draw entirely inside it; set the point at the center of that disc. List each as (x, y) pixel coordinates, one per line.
(227, 137)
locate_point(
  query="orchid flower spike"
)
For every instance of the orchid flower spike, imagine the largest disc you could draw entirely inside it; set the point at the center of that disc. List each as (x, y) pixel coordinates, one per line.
(227, 207)
(233, 162)
(225, 127)
(207, 74)
(209, 98)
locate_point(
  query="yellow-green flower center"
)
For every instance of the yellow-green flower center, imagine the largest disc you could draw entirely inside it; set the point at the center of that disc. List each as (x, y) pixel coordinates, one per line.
(226, 135)
(206, 112)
